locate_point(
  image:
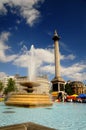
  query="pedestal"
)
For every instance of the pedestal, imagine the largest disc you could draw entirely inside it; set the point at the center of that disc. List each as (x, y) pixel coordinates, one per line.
(58, 84)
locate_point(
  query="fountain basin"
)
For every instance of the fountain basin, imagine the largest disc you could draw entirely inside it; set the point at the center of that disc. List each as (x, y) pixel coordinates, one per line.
(29, 86)
(29, 100)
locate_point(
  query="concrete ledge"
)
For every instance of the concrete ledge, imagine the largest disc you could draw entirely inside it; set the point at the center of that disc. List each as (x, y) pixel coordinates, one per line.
(26, 126)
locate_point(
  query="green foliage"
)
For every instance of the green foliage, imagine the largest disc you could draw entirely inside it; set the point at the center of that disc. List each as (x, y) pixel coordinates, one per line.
(5, 91)
(11, 87)
(1, 86)
(68, 89)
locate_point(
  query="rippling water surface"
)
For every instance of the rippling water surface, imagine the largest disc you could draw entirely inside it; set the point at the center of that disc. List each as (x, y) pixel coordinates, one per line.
(61, 116)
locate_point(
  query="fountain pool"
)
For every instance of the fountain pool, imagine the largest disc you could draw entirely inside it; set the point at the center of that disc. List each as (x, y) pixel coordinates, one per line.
(61, 116)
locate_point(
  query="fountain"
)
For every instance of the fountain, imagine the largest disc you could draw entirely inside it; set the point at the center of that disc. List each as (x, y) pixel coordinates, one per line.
(33, 95)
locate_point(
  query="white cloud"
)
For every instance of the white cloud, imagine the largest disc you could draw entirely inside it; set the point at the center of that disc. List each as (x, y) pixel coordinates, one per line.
(21, 61)
(43, 58)
(50, 69)
(64, 46)
(68, 57)
(26, 8)
(76, 71)
(44, 63)
(45, 55)
(3, 10)
(3, 48)
(4, 36)
(18, 21)
(2, 75)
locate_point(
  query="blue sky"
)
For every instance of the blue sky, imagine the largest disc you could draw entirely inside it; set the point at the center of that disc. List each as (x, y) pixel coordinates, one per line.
(32, 22)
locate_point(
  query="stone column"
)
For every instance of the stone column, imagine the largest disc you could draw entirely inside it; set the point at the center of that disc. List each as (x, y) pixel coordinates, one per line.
(57, 55)
(57, 82)
(57, 59)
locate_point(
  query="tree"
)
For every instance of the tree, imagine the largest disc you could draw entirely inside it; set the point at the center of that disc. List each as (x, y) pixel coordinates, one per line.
(1, 86)
(68, 89)
(11, 86)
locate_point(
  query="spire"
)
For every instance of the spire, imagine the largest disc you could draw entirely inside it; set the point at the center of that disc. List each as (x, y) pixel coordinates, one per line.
(56, 37)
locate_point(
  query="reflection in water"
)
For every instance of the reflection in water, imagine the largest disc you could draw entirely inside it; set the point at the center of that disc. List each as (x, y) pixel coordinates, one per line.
(48, 108)
(9, 112)
(9, 108)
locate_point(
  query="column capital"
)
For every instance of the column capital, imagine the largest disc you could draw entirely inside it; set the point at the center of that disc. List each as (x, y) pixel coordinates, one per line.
(56, 37)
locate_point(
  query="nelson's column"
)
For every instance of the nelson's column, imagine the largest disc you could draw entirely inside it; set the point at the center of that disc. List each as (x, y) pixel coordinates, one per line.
(57, 83)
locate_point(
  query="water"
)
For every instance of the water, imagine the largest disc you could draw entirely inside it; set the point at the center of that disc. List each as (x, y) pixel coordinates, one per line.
(29, 61)
(61, 116)
(32, 65)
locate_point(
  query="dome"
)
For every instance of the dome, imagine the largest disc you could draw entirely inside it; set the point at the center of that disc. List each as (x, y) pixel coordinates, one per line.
(76, 84)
